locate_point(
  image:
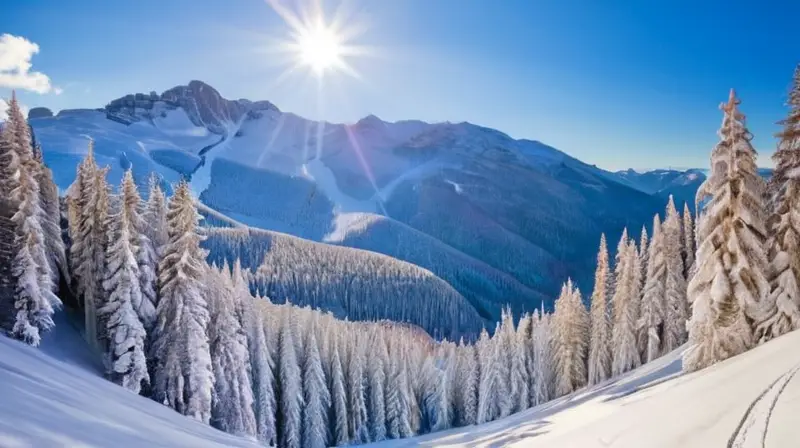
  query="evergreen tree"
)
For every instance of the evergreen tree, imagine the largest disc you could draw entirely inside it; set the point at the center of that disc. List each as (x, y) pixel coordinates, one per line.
(398, 421)
(652, 313)
(8, 182)
(504, 338)
(570, 340)
(780, 311)
(600, 342)
(232, 402)
(125, 356)
(490, 376)
(730, 279)
(626, 313)
(467, 387)
(619, 269)
(376, 371)
(262, 368)
(290, 425)
(542, 359)
(338, 416)
(358, 423)
(644, 255)
(184, 377)
(30, 267)
(675, 303)
(51, 225)
(688, 241)
(316, 397)
(522, 365)
(156, 217)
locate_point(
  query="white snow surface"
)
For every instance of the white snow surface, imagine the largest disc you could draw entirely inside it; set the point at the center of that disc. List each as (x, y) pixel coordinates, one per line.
(54, 397)
(750, 400)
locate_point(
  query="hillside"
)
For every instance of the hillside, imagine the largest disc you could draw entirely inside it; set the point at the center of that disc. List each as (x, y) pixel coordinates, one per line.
(746, 401)
(55, 397)
(348, 282)
(522, 214)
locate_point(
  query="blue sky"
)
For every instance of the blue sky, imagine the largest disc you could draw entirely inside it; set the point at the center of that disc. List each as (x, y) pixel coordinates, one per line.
(622, 84)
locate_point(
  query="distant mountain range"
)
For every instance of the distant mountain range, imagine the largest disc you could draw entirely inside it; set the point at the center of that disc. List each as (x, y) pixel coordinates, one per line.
(499, 219)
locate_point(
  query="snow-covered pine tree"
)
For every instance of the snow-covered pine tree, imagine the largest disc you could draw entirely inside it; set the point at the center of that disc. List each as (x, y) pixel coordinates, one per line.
(398, 401)
(130, 203)
(505, 337)
(644, 255)
(262, 368)
(652, 312)
(570, 340)
(600, 341)
(688, 241)
(542, 380)
(490, 376)
(521, 365)
(34, 298)
(619, 268)
(126, 355)
(676, 309)
(51, 225)
(626, 312)
(780, 311)
(316, 397)
(291, 403)
(8, 182)
(467, 387)
(184, 375)
(155, 215)
(376, 373)
(338, 391)
(232, 402)
(730, 279)
(359, 421)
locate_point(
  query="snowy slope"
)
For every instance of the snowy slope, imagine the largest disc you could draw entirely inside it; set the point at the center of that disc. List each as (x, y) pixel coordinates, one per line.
(751, 400)
(53, 397)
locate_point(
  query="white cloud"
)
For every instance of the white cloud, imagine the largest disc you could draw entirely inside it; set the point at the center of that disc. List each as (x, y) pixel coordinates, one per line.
(15, 66)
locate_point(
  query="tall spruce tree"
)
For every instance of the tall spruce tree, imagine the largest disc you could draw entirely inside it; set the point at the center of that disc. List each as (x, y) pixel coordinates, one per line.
(626, 311)
(688, 241)
(125, 351)
(316, 397)
(780, 311)
(184, 376)
(30, 267)
(600, 341)
(652, 313)
(730, 280)
(675, 304)
(571, 340)
(232, 401)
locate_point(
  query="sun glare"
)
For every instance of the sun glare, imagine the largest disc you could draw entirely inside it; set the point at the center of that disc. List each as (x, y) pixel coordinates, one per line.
(320, 44)
(319, 48)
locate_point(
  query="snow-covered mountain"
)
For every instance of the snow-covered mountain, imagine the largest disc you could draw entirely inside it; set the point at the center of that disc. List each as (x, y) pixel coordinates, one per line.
(520, 215)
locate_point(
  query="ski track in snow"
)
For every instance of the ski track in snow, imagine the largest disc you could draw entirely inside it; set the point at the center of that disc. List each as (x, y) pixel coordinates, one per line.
(752, 430)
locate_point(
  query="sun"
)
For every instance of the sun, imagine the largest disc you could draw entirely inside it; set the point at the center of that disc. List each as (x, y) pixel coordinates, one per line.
(319, 48)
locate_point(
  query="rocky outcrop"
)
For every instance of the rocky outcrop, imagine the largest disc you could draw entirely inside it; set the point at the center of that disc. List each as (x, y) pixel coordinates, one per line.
(203, 104)
(39, 112)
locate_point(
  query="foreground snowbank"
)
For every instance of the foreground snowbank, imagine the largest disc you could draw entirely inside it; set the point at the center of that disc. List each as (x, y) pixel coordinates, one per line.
(738, 403)
(53, 397)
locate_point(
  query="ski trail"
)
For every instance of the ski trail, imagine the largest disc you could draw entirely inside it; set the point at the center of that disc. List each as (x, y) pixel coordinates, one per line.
(752, 429)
